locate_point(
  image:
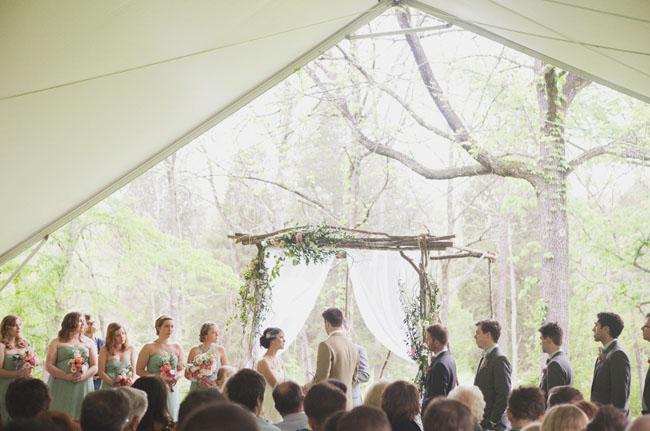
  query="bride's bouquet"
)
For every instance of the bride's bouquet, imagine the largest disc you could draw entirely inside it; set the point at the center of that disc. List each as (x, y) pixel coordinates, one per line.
(124, 377)
(202, 368)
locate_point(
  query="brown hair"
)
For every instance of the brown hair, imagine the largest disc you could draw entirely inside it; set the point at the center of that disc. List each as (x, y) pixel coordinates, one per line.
(205, 329)
(443, 414)
(322, 400)
(587, 407)
(68, 325)
(8, 322)
(246, 387)
(527, 402)
(400, 401)
(553, 331)
(565, 417)
(438, 332)
(334, 316)
(364, 418)
(491, 326)
(159, 322)
(110, 338)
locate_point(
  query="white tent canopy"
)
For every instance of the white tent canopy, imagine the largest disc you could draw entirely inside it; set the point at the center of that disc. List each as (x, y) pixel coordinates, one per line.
(93, 93)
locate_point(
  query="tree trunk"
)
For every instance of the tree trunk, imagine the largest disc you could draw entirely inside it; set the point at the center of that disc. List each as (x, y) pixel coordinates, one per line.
(500, 297)
(513, 304)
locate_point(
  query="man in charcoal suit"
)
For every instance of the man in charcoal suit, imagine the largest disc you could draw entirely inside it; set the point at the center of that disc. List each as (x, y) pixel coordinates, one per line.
(611, 383)
(441, 375)
(558, 370)
(645, 399)
(362, 376)
(493, 376)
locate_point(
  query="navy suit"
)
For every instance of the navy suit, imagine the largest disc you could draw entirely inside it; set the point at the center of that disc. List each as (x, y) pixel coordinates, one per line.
(558, 372)
(494, 379)
(441, 377)
(611, 383)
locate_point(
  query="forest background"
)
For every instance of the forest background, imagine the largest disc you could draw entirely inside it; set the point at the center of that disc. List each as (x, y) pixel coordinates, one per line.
(440, 131)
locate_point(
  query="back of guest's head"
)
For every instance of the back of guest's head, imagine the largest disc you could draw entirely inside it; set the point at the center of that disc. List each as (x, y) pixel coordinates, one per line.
(587, 407)
(288, 397)
(526, 403)
(334, 316)
(492, 327)
(105, 410)
(321, 401)
(223, 374)
(535, 426)
(339, 384)
(564, 417)
(58, 421)
(156, 391)
(246, 387)
(26, 424)
(400, 401)
(137, 402)
(443, 414)
(472, 398)
(642, 423)
(220, 416)
(608, 418)
(332, 422)
(197, 399)
(26, 398)
(364, 418)
(553, 331)
(613, 321)
(374, 393)
(438, 332)
(563, 395)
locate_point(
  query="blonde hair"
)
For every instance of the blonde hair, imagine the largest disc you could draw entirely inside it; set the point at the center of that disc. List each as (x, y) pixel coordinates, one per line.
(223, 374)
(472, 398)
(205, 329)
(564, 417)
(374, 393)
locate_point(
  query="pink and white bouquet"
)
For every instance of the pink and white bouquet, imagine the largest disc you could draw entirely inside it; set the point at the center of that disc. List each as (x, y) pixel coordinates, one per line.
(123, 378)
(27, 359)
(77, 363)
(203, 368)
(168, 371)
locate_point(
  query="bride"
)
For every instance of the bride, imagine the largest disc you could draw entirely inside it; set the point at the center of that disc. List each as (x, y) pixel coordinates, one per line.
(272, 368)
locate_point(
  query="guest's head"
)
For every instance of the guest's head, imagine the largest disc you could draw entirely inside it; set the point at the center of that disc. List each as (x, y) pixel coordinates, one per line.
(333, 319)
(209, 332)
(332, 422)
(321, 401)
(437, 337)
(565, 417)
(220, 416)
(24, 424)
(526, 404)
(164, 326)
(116, 339)
(58, 421)
(246, 387)
(339, 384)
(563, 395)
(272, 338)
(106, 410)
(400, 401)
(608, 326)
(608, 418)
(443, 414)
(487, 333)
(91, 325)
(137, 405)
(26, 398)
(645, 329)
(156, 391)
(550, 336)
(374, 393)
(72, 323)
(288, 398)
(223, 374)
(364, 418)
(535, 426)
(197, 399)
(472, 398)
(587, 407)
(642, 423)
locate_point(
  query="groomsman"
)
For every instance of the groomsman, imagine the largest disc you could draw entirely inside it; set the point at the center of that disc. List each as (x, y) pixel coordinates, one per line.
(441, 375)
(645, 401)
(611, 383)
(362, 376)
(493, 375)
(558, 370)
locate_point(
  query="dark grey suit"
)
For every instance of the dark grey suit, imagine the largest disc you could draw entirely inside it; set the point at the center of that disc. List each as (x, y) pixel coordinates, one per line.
(558, 372)
(611, 383)
(645, 403)
(493, 378)
(441, 377)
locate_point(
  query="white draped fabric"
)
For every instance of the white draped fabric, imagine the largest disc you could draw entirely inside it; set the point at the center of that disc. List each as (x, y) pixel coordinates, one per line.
(376, 278)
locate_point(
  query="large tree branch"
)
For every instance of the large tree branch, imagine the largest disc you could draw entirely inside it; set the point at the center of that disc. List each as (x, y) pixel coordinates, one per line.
(624, 151)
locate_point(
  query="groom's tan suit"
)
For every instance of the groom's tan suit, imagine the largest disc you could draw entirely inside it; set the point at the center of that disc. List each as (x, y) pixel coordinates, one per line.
(338, 358)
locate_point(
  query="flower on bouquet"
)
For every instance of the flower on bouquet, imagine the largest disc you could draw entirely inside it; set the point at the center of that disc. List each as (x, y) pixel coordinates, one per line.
(202, 368)
(27, 359)
(124, 377)
(77, 363)
(168, 371)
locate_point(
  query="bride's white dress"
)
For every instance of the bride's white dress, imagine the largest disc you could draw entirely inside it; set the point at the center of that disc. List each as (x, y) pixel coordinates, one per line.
(268, 407)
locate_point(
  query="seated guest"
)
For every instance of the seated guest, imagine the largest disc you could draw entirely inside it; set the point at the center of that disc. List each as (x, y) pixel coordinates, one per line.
(401, 402)
(373, 395)
(564, 417)
(642, 423)
(332, 422)
(563, 395)
(339, 384)
(288, 398)
(525, 405)
(247, 387)
(535, 426)
(157, 417)
(443, 414)
(25, 424)
(220, 416)
(137, 405)
(364, 418)
(472, 398)
(608, 418)
(106, 410)
(26, 398)
(224, 373)
(58, 421)
(587, 407)
(198, 398)
(321, 402)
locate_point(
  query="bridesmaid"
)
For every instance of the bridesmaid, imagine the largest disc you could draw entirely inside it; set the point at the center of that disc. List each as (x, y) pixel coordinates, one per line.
(272, 368)
(162, 353)
(12, 350)
(208, 337)
(68, 386)
(116, 355)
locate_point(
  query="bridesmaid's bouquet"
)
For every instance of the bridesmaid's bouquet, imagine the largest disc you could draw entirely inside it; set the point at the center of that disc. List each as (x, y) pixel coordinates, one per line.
(202, 368)
(27, 359)
(168, 371)
(124, 377)
(77, 363)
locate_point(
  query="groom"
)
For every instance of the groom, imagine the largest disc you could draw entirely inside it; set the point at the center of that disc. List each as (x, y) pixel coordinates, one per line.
(338, 356)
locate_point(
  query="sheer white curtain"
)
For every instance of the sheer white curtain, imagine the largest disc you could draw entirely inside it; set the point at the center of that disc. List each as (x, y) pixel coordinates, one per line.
(376, 278)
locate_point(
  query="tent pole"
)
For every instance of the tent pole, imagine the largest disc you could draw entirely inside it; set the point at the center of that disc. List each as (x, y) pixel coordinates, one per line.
(21, 266)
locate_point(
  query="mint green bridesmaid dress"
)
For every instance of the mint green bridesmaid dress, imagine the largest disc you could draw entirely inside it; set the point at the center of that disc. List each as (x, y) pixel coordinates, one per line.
(68, 396)
(195, 384)
(153, 366)
(113, 368)
(11, 362)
